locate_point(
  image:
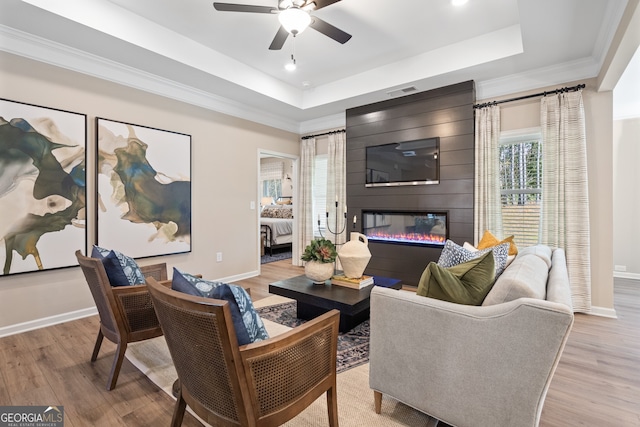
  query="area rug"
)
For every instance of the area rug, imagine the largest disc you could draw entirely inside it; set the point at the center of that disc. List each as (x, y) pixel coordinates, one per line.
(353, 346)
(355, 398)
(277, 256)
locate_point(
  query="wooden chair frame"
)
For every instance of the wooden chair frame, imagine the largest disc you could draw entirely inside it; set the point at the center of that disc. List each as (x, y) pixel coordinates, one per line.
(126, 312)
(260, 384)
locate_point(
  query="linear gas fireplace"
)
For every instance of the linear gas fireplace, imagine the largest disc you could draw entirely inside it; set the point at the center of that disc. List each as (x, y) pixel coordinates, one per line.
(407, 228)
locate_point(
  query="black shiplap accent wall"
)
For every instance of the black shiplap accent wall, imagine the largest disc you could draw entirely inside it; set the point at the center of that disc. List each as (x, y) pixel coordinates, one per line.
(447, 113)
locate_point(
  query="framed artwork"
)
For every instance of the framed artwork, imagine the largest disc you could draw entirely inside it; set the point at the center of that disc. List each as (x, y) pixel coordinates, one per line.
(144, 189)
(42, 187)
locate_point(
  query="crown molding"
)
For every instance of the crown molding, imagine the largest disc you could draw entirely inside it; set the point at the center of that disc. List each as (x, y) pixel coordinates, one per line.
(585, 68)
(39, 49)
(323, 123)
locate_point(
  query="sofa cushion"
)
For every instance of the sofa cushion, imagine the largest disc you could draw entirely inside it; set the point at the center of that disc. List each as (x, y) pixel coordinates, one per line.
(526, 277)
(121, 269)
(453, 254)
(489, 240)
(541, 251)
(466, 283)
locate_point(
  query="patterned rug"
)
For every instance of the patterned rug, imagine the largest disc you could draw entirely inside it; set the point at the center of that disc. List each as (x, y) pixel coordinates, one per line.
(277, 256)
(353, 346)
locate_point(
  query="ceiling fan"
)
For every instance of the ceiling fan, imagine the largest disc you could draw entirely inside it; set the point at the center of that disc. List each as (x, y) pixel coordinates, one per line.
(294, 16)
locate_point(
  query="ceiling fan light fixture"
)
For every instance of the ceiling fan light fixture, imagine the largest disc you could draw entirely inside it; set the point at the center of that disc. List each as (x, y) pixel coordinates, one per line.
(294, 20)
(291, 66)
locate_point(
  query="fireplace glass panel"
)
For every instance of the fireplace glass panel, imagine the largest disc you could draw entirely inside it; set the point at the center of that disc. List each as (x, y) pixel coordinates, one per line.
(412, 228)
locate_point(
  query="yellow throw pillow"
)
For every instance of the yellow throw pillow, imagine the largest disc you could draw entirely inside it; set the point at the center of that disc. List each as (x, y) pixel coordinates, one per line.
(489, 240)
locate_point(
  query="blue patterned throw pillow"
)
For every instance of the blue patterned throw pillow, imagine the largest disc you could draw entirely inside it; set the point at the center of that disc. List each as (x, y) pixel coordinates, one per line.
(192, 285)
(246, 321)
(454, 254)
(121, 269)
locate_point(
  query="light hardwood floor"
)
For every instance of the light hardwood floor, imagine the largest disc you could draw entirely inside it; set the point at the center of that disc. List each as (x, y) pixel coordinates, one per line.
(597, 382)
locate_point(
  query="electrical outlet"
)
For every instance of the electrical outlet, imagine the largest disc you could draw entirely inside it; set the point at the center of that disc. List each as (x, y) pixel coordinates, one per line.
(620, 267)
(252, 205)
(218, 256)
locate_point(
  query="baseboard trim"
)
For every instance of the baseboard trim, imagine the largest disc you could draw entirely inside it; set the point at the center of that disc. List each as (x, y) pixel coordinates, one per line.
(19, 328)
(625, 275)
(603, 312)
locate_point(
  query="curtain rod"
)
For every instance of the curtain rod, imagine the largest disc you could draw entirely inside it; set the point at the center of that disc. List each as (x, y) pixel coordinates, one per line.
(549, 92)
(323, 134)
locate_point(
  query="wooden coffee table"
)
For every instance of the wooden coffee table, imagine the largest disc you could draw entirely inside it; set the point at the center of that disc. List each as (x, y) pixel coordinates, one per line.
(313, 300)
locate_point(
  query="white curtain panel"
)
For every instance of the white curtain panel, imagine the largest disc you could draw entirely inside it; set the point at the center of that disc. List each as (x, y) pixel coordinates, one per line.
(305, 198)
(565, 199)
(337, 187)
(487, 204)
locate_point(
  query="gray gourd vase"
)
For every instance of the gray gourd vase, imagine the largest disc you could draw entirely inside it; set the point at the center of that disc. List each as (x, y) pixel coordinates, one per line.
(355, 255)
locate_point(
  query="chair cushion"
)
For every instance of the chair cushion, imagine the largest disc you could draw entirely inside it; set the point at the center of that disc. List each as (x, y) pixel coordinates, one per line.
(466, 283)
(454, 254)
(246, 321)
(121, 269)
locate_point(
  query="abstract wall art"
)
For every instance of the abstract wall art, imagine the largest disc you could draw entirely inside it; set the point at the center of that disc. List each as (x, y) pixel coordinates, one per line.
(144, 189)
(42, 187)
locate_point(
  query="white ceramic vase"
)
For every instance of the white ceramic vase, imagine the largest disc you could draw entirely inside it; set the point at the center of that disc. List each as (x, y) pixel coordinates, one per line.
(355, 255)
(318, 272)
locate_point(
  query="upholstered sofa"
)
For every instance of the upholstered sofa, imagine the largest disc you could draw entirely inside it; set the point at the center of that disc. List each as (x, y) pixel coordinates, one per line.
(475, 366)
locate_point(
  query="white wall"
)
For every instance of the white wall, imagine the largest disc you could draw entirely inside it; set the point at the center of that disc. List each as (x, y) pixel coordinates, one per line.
(626, 199)
(599, 127)
(224, 182)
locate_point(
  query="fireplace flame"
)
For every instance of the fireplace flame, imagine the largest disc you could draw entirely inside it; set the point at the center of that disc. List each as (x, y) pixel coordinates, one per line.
(428, 239)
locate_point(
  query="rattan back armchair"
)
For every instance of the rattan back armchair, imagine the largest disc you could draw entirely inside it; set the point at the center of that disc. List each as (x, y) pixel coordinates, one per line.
(265, 383)
(126, 312)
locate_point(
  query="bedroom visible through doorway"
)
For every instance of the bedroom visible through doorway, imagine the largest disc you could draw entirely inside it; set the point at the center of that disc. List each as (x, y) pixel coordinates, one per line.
(277, 203)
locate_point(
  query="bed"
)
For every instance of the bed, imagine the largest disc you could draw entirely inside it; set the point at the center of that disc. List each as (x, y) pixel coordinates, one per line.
(276, 226)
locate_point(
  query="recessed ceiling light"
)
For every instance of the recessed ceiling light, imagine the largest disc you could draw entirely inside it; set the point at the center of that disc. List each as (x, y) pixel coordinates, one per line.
(458, 2)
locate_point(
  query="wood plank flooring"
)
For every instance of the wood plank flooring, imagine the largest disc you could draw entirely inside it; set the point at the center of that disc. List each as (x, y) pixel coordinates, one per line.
(597, 382)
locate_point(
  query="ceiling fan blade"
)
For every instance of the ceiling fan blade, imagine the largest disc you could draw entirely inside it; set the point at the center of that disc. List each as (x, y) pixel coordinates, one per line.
(322, 3)
(329, 30)
(279, 39)
(232, 7)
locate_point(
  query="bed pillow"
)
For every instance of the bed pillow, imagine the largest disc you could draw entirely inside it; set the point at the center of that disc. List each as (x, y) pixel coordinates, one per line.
(454, 254)
(121, 269)
(465, 283)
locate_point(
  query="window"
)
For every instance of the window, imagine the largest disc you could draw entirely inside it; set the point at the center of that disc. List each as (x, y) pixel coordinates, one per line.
(271, 173)
(272, 188)
(320, 193)
(521, 186)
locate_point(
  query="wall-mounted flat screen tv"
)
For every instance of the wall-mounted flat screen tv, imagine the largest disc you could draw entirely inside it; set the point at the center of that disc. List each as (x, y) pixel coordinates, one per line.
(403, 163)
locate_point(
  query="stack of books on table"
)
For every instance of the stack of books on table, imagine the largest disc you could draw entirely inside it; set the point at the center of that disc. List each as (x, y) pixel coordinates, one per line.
(358, 283)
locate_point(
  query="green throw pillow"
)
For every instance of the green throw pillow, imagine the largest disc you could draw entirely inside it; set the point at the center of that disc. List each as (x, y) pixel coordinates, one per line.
(467, 283)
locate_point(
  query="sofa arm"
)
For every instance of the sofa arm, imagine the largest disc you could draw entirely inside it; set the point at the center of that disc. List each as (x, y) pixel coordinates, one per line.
(466, 365)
